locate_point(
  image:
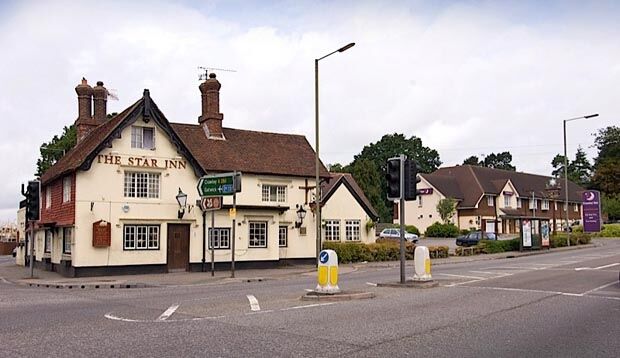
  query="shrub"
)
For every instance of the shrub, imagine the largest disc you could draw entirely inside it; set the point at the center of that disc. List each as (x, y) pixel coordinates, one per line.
(559, 239)
(577, 228)
(442, 230)
(495, 246)
(349, 252)
(385, 250)
(465, 231)
(408, 228)
(610, 230)
(438, 251)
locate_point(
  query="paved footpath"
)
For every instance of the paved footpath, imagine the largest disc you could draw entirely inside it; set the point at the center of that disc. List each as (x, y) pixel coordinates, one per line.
(9, 272)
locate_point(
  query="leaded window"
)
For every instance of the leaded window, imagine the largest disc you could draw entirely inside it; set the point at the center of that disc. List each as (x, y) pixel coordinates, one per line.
(282, 235)
(332, 230)
(258, 234)
(219, 238)
(141, 185)
(141, 237)
(352, 230)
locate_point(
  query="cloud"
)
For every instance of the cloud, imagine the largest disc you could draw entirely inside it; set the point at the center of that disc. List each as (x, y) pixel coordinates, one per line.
(468, 78)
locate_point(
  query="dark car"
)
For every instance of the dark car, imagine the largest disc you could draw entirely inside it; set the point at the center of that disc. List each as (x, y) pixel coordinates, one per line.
(473, 238)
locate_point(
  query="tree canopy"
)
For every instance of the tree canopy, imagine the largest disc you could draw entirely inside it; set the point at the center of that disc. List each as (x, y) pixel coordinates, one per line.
(55, 149)
(501, 160)
(446, 208)
(606, 176)
(579, 170)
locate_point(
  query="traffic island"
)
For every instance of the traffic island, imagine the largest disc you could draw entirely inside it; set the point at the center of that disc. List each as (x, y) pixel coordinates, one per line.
(410, 284)
(339, 296)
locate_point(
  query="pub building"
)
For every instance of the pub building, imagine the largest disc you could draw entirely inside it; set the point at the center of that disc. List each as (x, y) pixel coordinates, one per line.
(124, 200)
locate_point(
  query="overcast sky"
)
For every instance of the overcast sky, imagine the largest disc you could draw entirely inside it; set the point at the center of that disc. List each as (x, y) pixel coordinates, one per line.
(468, 77)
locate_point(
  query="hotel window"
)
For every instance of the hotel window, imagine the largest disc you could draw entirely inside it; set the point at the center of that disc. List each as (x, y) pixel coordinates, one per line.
(507, 201)
(490, 200)
(352, 230)
(48, 241)
(141, 185)
(48, 197)
(219, 238)
(564, 207)
(274, 193)
(66, 240)
(66, 189)
(533, 203)
(519, 203)
(283, 236)
(545, 204)
(575, 207)
(142, 137)
(141, 237)
(555, 205)
(332, 230)
(258, 234)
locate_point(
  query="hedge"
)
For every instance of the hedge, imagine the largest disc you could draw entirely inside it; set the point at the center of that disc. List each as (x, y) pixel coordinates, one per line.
(559, 239)
(610, 230)
(442, 230)
(382, 250)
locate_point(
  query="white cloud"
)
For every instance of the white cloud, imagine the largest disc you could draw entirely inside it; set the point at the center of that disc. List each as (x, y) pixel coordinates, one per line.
(468, 78)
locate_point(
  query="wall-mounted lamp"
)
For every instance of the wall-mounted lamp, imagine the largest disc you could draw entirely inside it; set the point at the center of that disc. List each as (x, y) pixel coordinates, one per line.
(182, 200)
(301, 214)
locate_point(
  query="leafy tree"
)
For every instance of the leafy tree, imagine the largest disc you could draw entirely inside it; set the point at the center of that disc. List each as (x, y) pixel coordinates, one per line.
(392, 145)
(473, 160)
(580, 169)
(606, 176)
(446, 208)
(368, 177)
(611, 206)
(558, 166)
(501, 160)
(55, 149)
(336, 168)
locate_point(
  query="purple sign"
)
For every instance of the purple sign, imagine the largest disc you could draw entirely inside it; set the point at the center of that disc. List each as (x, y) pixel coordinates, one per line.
(425, 191)
(591, 211)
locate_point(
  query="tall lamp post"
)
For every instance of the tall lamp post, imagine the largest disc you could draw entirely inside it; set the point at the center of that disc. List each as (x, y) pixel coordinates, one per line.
(317, 189)
(566, 172)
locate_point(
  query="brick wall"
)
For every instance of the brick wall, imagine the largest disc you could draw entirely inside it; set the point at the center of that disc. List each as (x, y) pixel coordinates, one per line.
(59, 212)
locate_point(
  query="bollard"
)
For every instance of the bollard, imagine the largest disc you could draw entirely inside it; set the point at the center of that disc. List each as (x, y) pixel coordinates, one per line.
(422, 264)
(327, 275)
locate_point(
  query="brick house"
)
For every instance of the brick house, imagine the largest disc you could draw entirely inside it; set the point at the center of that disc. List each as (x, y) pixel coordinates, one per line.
(109, 205)
(493, 200)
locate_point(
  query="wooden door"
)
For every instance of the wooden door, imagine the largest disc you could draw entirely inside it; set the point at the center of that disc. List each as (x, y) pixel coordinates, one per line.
(178, 246)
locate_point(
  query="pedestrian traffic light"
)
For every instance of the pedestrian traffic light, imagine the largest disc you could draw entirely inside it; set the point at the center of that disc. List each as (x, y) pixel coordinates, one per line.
(32, 200)
(411, 179)
(392, 176)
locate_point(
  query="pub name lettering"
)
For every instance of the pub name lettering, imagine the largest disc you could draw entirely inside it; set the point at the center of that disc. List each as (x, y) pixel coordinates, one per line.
(142, 162)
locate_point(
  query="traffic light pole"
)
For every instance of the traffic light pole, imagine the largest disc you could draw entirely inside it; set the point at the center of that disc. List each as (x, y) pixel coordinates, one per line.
(31, 249)
(401, 204)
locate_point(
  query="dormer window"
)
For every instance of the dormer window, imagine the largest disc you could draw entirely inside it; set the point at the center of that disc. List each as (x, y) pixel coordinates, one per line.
(143, 137)
(490, 201)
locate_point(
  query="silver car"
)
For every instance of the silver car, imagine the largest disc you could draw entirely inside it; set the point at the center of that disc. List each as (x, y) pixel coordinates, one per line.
(391, 233)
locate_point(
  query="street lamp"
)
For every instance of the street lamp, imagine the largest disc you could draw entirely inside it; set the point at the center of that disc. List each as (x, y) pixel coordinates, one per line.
(182, 200)
(317, 189)
(566, 172)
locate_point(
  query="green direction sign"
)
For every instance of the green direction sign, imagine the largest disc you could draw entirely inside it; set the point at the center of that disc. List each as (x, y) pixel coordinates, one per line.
(216, 185)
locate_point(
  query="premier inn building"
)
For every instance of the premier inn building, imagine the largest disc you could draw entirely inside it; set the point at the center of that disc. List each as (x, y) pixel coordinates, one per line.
(110, 206)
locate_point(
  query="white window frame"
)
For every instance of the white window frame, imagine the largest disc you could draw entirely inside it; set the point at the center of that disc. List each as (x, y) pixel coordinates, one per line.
(555, 206)
(283, 236)
(507, 201)
(490, 201)
(545, 204)
(576, 207)
(48, 197)
(47, 244)
(533, 204)
(273, 193)
(257, 234)
(219, 238)
(67, 239)
(519, 203)
(66, 189)
(352, 230)
(144, 185)
(141, 237)
(137, 137)
(332, 230)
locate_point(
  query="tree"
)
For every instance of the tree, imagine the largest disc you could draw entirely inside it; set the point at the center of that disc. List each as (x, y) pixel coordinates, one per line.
(611, 206)
(558, 166)
(446, 208)
(336, 168)
(368, 177)
(580, 169)
(499, 161)
(606, 177)
(55, 149)
(392, 145)
(473, 160)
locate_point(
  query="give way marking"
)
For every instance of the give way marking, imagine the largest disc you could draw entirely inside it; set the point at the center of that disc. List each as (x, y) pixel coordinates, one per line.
(167, 313)
(254, 306)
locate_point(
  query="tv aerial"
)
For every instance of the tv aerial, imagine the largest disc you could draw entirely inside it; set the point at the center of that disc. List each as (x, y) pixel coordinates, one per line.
(205, 75)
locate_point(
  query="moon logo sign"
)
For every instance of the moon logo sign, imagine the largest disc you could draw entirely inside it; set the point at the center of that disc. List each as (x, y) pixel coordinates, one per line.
(589, 196)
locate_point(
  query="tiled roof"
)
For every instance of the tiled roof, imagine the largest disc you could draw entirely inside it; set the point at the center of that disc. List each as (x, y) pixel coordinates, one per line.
(346, 179)
(447, 185)
(474, 181)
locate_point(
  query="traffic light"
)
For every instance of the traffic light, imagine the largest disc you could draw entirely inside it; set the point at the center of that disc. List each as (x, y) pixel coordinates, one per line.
(411, 179)
(32, 201)
(392, 176)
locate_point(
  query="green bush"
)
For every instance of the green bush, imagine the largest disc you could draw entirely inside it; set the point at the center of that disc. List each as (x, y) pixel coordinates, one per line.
(349, 252)
(610, 230)
(382, 250)
(495, 246)
(442, 230)
(436, 252)
(579, 238)
(465, 231)
(408, 228)
(577, 228)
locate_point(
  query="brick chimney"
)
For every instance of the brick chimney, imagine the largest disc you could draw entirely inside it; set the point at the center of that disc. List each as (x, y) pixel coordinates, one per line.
(211, 118)
(100, 101)
(84, 122)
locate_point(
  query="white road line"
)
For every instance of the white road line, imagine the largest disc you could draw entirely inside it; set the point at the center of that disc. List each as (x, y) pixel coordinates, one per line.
(371, 284)
(164, 316)
(308, 306)
(253, 303)
(308, 290)
(463, 283)
(4, 280)
(601, 287)
(606, 266)
(463, 276)
(502, 274)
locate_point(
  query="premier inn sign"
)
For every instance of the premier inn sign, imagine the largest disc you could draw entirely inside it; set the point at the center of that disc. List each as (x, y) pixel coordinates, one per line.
(142, 162)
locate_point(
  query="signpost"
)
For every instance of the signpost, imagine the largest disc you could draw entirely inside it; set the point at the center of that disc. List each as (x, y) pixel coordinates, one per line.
(591, 211)
(211, 188)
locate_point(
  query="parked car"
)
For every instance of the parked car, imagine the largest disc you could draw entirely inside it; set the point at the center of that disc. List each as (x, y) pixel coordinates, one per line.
(395, 234)
(473, 238)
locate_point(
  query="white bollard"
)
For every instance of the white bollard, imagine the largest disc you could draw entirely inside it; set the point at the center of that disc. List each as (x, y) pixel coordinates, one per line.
(327, 275)
(422, 264)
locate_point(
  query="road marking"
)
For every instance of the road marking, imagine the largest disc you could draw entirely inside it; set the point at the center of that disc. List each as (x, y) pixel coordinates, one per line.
(371, 284)
(596, 268)
(474, 277)
(463, 283)
(502, 274)
(308, 306)
(549, 292)
(601, 287)
(309, 290)
(167, 313)
(4, 280)
(253, 303)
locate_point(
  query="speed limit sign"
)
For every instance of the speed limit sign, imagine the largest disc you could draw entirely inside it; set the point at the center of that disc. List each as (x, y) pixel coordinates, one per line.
(211, 203)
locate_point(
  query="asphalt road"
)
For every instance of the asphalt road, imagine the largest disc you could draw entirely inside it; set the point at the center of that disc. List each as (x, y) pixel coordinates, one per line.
(556, 305)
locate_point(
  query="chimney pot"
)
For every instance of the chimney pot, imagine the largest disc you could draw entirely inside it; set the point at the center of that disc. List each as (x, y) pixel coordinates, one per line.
(100, 101)
(84, 122)
(211, 118)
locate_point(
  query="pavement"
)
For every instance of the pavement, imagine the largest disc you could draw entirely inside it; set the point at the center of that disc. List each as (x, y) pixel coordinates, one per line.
(9, 272)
